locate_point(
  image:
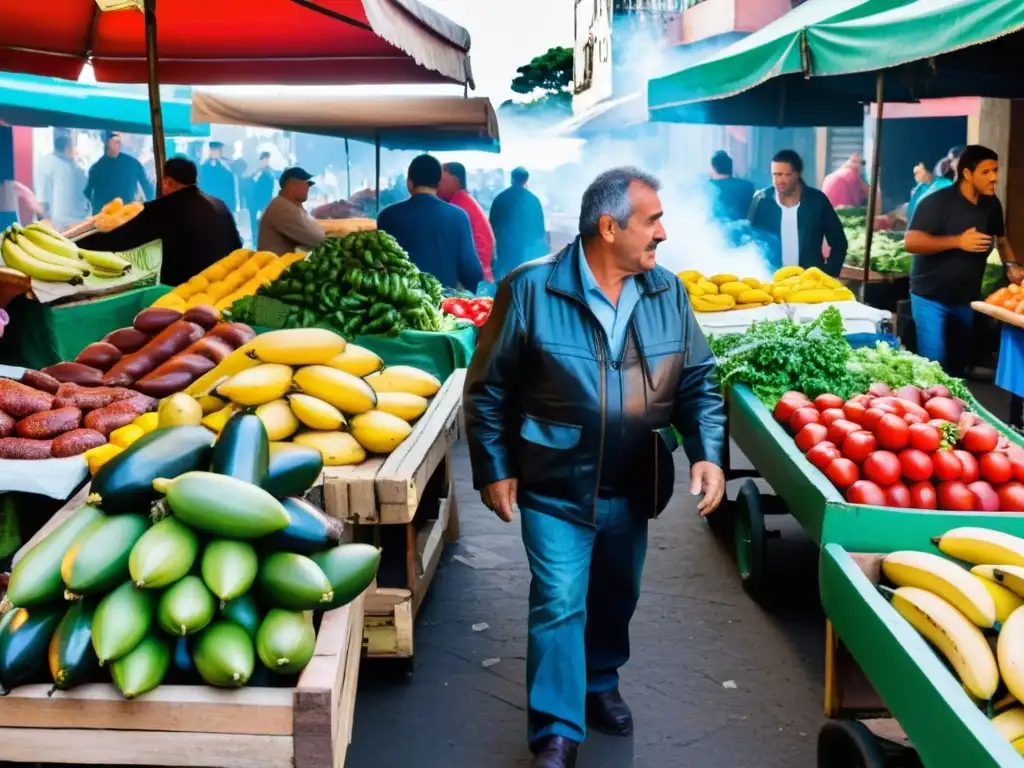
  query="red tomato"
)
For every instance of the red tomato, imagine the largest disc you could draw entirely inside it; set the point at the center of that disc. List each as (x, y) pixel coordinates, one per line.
(854, 412)
(831, 414)
(924, 437)
(810, 436)
(864, 400)
(842, 472)
(944, 408)
(955, 496)
(910, 394)
(969, 466)
(1018, 468)
(893, 432)
(871, 418)
(898, 496)
(787, 405)
(923, 496)
(916, 465)
(1011, 497)
(985, 497)
(911, 418)
(996, 468)
(912, 409)
(826, 401)
(980, 439)
(865, 492)
(938, 423)
(839, 429)
(858, 446)
(802, 417)
(883, 467)
(796, 396)
(821, 455)
(900, 406)
(947, 466)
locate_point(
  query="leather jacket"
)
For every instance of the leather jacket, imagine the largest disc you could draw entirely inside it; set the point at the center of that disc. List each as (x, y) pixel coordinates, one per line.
(544, 402)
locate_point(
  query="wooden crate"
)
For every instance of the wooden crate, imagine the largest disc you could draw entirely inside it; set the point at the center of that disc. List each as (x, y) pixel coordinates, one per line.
(309, 726)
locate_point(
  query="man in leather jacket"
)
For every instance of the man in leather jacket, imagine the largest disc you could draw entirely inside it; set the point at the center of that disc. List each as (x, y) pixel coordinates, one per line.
(588, 360)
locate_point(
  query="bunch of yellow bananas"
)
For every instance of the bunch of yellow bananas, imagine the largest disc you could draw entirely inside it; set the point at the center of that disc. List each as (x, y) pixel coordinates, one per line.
(790, 285)
(795, 285)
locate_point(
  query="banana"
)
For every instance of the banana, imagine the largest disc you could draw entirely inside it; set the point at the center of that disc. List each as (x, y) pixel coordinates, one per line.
(379, 432)
(236, 362)
(1019, 746)
(337, 448)
(404, 378)
(44, 239)
(298, 346)
(278, 419)
(107, 262)
(1006, 601)
(1010, 724)
(316, 414)
(1009, 576)
(981, 546)
(14, 256)
(945, 579)
(258, 385)
(41, 254)
(401, 404)
(356, 360)
(952, 633)
(1010, 652)
(47, 230)
(348, 393)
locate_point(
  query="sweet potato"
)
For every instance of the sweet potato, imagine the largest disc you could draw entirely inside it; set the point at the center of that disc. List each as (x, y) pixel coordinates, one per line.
(76, 442)
(207, 317)
(6, 424)
(20, 401)
(90, 398)
(99, 354)
(165, 384)
(41, 381)
(117, 415)
(235, 334)
(192, 363)
(212, 347)
(169, 342)
(155, 319)
(47, 424)
(23, 448)
(128, 340)
(75, 373)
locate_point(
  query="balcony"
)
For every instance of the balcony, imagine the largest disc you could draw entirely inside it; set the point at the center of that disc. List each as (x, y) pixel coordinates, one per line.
(704, 19)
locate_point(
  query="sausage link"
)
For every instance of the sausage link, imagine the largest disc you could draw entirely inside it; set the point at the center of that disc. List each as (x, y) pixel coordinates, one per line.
(76, 442)
(23, 448)
(170, 341)
(20, 401)
(49, 424)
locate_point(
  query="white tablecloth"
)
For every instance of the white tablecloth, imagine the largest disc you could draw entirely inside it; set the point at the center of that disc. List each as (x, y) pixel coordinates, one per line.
(857, 317)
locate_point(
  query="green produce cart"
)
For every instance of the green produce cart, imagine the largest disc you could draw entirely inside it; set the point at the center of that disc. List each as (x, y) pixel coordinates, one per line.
(885, 687)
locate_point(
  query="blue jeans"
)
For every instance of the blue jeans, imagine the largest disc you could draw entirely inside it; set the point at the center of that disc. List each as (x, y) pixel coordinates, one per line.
(584, 588)
(937, 324)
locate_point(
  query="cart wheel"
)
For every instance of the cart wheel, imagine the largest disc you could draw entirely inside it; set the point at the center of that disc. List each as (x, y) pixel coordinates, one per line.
(749, 537)
(721, 520)
(848, 744)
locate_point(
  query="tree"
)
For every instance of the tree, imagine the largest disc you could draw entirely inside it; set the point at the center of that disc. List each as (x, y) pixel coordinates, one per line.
(547, 79)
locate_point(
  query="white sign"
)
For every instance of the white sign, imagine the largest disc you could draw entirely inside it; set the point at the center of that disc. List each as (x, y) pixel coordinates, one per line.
(592, 54)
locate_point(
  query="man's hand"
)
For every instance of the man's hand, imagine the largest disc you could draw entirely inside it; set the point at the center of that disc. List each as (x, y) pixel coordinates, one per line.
(974, 241)
(709, 479)
(500, 497)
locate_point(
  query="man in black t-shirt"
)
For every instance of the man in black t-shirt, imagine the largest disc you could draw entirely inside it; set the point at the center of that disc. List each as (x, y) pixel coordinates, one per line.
(951, 235)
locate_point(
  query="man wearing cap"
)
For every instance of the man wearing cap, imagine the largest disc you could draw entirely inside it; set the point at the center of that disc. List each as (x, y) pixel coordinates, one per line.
(453, 190)
(285, 225)
(216, 178)
(196, 229)
(116, 174)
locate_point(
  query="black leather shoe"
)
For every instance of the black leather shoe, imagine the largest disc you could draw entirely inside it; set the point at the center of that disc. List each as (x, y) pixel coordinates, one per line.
(554, 752)
(608, 713)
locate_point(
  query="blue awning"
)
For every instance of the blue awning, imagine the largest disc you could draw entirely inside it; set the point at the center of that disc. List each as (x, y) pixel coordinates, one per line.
(44, 101)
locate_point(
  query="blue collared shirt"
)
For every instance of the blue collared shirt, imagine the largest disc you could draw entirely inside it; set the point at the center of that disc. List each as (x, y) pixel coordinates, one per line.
(614, 319)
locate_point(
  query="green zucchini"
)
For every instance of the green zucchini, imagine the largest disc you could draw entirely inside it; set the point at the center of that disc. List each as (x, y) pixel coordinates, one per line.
(295, 582)
(185, 607)
(122, 619)
(223, 655)
(98, 561)
(309, 530)
(72, 658)
(223, 506)
(25, 635)
(125, 483)
(242, 450)
(229, 568)
(285, 641)
(143, 668)
(244, 612)
(293, 469)
(350, 569)
(163, 554)
(36, 579)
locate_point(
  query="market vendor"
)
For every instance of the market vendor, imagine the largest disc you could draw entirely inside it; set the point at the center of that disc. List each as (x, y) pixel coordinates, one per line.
(285, 226)
(950, 236)
(196, 230)
(581, 447)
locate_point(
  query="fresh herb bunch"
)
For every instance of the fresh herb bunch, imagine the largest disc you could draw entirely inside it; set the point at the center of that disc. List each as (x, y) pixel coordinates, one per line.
(776, 356)
(898, 368)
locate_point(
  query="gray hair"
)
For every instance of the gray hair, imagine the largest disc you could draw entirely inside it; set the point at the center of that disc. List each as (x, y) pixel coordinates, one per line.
(608, 195)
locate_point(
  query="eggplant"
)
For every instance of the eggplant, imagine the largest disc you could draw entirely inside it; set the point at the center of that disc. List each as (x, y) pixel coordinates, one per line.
(309, 530)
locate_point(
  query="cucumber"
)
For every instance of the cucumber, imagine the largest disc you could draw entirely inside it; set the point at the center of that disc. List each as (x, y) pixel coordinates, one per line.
(309, 530)
(229, 568)
(125, 483)
(285, 641)
(142, 669)
(36, 579)
(122, 619)
(242, 450)
(98, 561)
(25, 635)
(223, 506)
(350, 569)
(164, 554)
(72, 658)
(186, 607)
(295, 582)
(244, 612)
(224, 656)
(292, 470)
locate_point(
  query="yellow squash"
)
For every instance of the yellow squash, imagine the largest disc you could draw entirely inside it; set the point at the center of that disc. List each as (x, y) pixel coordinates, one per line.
(336, 448)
